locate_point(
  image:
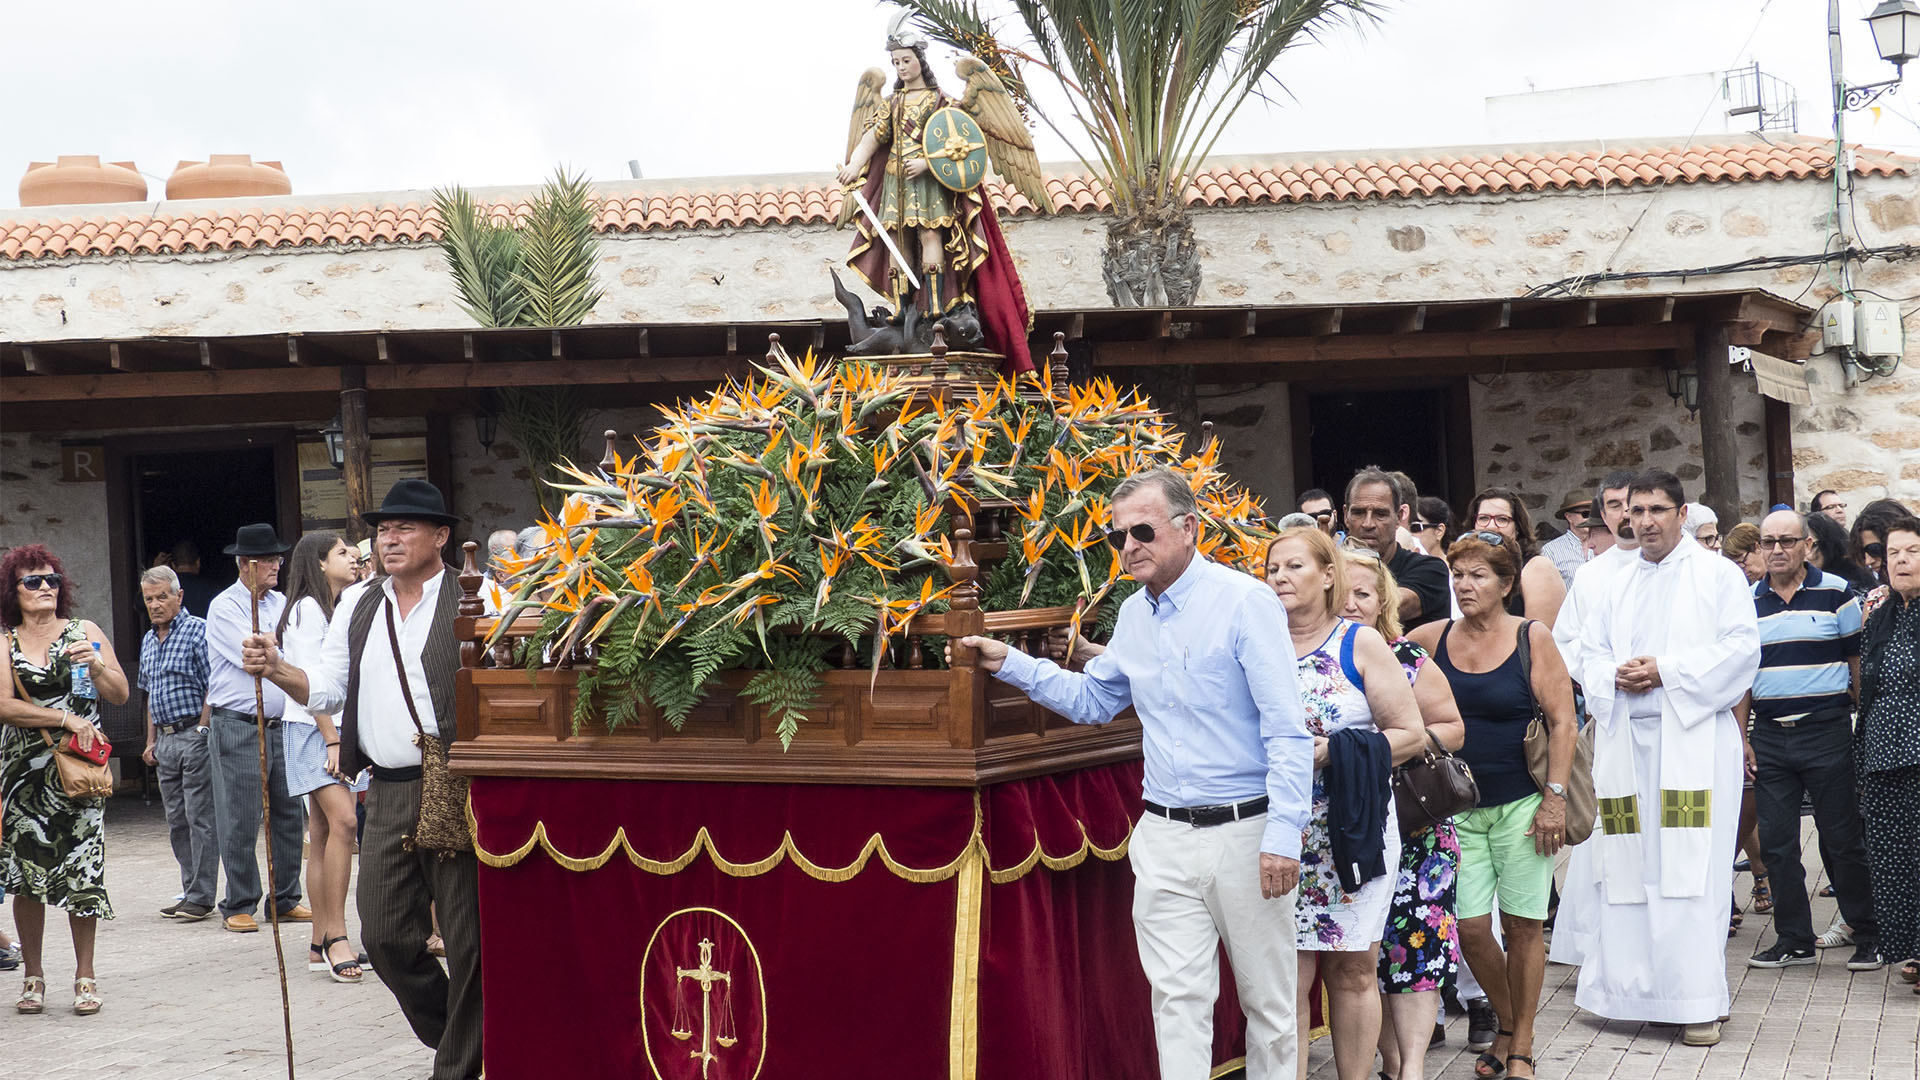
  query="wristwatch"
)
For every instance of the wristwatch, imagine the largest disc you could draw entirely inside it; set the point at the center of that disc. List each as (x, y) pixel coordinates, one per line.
(1557, 789)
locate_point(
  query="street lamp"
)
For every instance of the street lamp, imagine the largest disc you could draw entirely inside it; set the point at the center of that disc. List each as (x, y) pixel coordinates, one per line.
(1896, 37)
(1683, 386)
(336, 439)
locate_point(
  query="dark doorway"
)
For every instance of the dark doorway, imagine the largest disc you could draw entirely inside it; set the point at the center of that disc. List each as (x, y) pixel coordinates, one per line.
(203, 496)
(1419, 430)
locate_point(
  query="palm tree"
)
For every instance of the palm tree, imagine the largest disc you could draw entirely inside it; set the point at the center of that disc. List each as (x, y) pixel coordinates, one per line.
(1150, 85)
(536, 271)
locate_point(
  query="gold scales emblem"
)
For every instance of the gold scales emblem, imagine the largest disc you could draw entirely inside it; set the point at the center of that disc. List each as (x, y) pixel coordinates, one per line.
(719, 1048)
(707, 978)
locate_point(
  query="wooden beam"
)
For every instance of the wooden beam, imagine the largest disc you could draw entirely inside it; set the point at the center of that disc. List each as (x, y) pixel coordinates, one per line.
(1409, 320)
(466, 348)
(162, 384)
(1719, 445)
(558, 350)
(733, 341)
(1373, 347)
(293, 351)
(1324, 322)
(1579, 313)
(642, 348)
(125, 357)
(692, 370)
(1747, 332)
(1636, 312)
(359, 464)
(37, 362)
(1788, 344)
(1778, 423)
(1493, 317)
(215, 356)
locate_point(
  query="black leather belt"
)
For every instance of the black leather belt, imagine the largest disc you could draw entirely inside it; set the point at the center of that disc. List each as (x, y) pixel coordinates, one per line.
(1818, 716)
(396, 776)
(1201, 817)
(170, 729)
(243, 717)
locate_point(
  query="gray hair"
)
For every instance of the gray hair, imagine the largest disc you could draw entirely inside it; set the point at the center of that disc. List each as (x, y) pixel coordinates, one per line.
(1374, 474)
(1297, 520)
(161, 575)
(529, 542)
(1613, 481)
(1698, 514)
(1170, 483)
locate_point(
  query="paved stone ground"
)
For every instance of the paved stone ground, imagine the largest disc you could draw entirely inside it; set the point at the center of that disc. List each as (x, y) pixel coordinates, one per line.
(191, 1000)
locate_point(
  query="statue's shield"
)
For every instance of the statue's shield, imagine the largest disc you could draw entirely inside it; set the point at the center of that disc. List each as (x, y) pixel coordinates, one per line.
(956, 149)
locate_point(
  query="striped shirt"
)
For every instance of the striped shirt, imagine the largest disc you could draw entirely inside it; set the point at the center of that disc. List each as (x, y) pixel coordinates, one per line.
(174, 672)
(1805, 645)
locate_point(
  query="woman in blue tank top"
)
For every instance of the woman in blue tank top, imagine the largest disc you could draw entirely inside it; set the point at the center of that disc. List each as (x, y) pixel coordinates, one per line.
(1508, 841)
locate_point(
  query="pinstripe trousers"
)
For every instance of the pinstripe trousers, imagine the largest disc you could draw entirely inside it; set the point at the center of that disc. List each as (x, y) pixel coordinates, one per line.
(396, 888)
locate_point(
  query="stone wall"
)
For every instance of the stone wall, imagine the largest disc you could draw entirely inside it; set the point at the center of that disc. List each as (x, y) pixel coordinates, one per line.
(37, 507)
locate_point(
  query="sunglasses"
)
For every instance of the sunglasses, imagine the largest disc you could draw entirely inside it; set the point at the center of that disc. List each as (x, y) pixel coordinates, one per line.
(1117, 538)
(1322, 515)
(1876, 551)
(1423, 526)
(36, 582)
(1485, 537)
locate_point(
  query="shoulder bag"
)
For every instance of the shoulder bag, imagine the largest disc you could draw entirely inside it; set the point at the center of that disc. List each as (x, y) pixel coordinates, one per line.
(1582, 807)
(442, 824)
(83, 774)
(1432, 788)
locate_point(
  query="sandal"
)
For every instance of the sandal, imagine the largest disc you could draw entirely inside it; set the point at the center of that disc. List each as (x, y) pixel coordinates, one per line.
(317, 958)
(1487, 1066)
(1910, 972)
(1762, 895)
(33, 996)
(1522, 1057)
(86, 997)
(346, 971)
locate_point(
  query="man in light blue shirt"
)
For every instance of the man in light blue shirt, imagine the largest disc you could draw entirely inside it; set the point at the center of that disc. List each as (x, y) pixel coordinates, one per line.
(236, 741)
(1202, 654)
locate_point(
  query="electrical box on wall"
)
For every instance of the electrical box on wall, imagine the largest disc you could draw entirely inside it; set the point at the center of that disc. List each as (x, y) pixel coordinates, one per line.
(1877, 330)
(1836, 324)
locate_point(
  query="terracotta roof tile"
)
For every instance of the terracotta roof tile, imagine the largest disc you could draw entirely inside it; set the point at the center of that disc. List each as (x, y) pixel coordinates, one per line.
(220, 228)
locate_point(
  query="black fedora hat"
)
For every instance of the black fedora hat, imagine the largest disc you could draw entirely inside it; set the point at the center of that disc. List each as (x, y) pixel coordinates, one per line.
(415, 499)
(255, 540)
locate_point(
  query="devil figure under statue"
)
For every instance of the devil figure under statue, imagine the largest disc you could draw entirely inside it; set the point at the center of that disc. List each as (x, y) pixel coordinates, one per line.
(927, 239)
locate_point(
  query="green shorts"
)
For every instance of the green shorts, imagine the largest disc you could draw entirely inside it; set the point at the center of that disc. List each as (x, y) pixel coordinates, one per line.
(1497, 859)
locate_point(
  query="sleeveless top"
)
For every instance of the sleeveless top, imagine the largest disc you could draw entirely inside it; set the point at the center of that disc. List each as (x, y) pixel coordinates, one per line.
(1497, 709)
(1330, 684)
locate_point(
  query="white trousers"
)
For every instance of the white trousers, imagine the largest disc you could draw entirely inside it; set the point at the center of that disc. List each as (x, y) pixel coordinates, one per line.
(1194, 889)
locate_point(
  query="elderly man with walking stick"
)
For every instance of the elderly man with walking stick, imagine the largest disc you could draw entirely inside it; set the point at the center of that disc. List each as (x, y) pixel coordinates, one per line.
(387, 669)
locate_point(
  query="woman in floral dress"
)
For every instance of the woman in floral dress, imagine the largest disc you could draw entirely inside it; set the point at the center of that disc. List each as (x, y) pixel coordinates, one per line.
(52, 848)
(1420, 950)
(1349, 678)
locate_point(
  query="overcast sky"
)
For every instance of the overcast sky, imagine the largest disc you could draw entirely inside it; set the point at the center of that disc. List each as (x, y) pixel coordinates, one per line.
(379, 95)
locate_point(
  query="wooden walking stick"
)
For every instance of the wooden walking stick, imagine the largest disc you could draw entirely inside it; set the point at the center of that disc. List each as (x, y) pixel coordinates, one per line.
(266, 821)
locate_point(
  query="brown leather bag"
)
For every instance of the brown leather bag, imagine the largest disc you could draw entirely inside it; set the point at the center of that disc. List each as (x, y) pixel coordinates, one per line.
(442, 824)
(1582, 807)
(81, 776)
(1432, 788)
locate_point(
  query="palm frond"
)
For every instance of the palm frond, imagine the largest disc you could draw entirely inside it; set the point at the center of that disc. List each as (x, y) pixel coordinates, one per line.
(556, 249)
(483, 256)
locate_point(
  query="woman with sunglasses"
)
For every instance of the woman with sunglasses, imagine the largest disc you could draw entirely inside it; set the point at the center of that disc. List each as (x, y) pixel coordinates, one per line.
(1508, 841)
(53, 849)
(1433, 524)
(1540, 590)
(1420, 947)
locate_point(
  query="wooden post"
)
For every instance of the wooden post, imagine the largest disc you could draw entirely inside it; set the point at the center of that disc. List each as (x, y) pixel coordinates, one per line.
(1719, 445)
(1779, 436)
(471, 606)
(359, 464)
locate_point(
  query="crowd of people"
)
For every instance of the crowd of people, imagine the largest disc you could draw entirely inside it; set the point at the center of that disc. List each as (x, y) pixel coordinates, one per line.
(1616, 685)
(290, 649)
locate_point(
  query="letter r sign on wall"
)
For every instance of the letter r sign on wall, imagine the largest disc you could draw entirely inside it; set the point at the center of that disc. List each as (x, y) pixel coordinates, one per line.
(83, 464)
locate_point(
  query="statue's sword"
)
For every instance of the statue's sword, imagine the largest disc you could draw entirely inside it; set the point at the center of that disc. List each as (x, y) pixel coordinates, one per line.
(880, 230)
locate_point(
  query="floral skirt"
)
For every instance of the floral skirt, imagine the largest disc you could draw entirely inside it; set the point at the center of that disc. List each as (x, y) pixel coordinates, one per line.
(52, 849)
(1328, 918)
(1421, 947)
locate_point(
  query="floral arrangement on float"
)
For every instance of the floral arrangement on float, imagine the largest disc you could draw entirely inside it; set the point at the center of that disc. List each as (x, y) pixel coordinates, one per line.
(795, 521)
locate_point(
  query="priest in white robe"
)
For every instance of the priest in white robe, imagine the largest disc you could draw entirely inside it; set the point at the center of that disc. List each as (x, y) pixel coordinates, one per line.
(1664, 656)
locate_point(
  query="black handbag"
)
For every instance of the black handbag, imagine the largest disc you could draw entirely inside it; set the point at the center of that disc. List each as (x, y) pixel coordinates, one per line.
(1432, 788)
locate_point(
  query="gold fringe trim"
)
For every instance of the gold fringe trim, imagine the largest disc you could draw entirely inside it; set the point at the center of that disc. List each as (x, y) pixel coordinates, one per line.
(1226, 1067)
(875, 847)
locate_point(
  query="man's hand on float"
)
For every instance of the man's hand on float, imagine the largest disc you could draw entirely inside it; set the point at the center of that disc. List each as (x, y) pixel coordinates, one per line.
(1278, 875)
(992, 653)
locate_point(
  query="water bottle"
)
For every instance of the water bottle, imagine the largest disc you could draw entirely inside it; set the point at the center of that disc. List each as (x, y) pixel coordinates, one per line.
(83, 678)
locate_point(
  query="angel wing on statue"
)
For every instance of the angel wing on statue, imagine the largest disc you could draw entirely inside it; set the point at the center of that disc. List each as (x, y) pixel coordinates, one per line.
(927, 237)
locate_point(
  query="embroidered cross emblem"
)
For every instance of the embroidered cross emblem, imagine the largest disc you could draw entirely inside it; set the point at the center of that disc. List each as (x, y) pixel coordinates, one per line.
(1621, 816)
(1685, 809)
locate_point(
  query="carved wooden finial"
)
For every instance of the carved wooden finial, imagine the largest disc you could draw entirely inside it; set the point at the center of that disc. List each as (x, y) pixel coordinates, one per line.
(608, 459)
(939, 352)
(470, 579)
(1057, 359)
(1206, 435)
(773, 348)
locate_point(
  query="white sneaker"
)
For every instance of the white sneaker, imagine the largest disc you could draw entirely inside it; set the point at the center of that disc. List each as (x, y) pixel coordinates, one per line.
(1707, 1034)
(1837, 935)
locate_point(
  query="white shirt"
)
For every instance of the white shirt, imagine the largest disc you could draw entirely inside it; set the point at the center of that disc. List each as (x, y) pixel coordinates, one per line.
(1591, 583)
(229, 621)
(306, 632)
(386, 731)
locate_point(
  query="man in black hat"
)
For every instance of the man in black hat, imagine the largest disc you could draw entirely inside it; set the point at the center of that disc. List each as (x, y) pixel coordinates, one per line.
(235, 741)
(406, 616)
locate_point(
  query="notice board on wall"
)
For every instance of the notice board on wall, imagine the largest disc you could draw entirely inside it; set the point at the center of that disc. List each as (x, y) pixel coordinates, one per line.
(323, 488)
